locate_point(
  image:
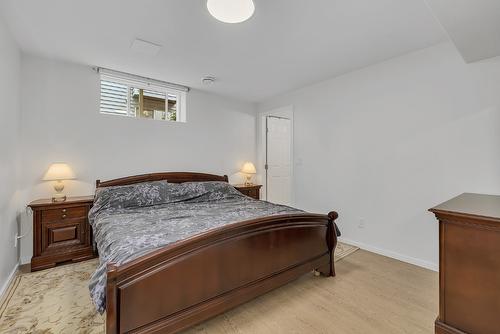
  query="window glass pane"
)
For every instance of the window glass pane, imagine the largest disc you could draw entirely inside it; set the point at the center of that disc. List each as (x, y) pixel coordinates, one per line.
(154, 104)
(134, 101)
(172, 108)
(113, 97)
(147, 103)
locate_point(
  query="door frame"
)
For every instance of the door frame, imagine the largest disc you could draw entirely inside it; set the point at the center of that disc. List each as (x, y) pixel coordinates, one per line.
(282, 112)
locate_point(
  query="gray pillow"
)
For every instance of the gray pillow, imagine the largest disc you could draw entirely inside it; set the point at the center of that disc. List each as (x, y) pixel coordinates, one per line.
(133, 195)
(201, 192)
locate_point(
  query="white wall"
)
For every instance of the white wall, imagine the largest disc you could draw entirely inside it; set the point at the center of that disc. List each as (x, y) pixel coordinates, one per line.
(382, 144)
(387, 142)
(9, 135)
(61, 122)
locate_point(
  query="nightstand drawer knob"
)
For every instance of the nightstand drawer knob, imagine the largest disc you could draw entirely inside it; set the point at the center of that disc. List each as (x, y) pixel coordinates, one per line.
(63, 210)
(63, 216)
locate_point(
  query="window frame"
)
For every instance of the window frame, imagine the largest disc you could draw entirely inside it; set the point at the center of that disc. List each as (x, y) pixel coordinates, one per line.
(146, 84)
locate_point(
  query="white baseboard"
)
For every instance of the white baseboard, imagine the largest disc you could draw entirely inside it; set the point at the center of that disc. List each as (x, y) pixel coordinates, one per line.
(9, 280)
(408, 259)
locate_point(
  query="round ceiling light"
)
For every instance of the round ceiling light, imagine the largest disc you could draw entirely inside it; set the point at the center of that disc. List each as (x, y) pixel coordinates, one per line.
(231, 11)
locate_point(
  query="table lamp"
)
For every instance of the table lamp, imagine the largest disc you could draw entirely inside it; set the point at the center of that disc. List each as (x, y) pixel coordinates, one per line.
(59, 172)
(248, 169)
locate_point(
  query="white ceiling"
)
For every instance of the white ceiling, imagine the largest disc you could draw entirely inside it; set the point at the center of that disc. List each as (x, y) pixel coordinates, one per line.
(287, 44)
(473, 25)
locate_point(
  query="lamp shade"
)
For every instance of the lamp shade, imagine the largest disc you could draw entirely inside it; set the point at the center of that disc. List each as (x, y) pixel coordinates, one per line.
(59, 171)
(248, 168)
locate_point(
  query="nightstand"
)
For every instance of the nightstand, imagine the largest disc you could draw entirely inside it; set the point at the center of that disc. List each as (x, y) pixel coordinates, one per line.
(61, 232)
(250, 190)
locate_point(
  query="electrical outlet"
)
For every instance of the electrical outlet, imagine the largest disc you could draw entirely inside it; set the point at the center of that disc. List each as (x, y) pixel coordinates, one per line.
(361, 223)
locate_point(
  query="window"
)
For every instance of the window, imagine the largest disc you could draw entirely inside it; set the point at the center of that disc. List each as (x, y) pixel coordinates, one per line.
(128, 95)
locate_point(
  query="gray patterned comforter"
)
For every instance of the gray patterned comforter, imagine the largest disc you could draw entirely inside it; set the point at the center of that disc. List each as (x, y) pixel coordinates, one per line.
(130, 221)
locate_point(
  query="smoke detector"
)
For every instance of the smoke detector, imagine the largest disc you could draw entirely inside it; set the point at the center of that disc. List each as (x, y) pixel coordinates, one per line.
(208, 80)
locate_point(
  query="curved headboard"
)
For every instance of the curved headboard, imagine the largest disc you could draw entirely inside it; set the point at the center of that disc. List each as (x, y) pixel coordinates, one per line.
(172, 177)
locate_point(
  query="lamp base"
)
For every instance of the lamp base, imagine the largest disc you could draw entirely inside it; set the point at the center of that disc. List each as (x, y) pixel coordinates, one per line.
(248, 181)
(58, 198)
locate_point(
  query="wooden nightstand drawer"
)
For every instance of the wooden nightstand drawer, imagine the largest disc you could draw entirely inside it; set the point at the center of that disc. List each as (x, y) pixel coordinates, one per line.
(249, 190)
(253, 193)
(64, 234)
(61, 232)
(64, 213)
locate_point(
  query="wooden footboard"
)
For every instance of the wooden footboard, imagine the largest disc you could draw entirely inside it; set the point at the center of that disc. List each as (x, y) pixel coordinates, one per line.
(190, 281)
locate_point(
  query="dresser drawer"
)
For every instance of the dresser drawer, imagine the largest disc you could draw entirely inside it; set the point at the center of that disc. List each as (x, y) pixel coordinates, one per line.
(64, 213)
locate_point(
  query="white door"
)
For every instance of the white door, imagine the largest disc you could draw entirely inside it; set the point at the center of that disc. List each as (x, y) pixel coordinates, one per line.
(278, 164)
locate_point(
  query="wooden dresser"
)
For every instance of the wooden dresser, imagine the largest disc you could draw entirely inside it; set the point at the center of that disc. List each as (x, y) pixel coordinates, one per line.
(469, 265)
(61, 231)
(252, 190)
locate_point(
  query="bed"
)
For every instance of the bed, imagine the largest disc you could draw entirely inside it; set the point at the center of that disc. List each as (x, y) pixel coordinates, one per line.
(178, 248)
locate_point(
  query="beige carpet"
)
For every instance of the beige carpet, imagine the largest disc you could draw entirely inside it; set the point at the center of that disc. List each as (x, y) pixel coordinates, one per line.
(57, 300)
(51, 301)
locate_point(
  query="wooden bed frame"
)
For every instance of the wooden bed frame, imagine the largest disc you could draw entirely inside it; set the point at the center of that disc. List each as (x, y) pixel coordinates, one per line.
(184, 283)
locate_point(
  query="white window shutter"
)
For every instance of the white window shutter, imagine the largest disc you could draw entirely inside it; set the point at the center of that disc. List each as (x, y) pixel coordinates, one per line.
(114, 98)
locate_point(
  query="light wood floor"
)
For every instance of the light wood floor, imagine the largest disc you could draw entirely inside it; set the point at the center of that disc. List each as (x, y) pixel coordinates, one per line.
(371, 294)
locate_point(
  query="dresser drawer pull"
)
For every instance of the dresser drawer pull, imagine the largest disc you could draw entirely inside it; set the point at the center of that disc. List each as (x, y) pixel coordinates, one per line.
(63, 210)
(63, 216)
